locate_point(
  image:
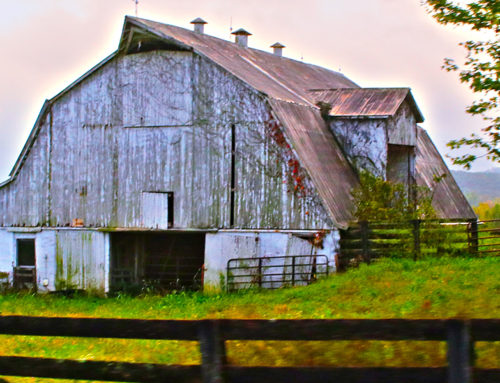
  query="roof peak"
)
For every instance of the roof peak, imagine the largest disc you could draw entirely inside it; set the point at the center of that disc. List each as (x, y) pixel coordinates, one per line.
(144, 22)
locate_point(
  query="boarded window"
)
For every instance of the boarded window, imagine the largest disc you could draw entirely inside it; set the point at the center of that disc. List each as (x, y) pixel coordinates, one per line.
(158, 210)
(26, 252)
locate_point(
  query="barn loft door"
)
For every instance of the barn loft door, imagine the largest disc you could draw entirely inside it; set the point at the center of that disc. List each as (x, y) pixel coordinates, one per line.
(157, 210)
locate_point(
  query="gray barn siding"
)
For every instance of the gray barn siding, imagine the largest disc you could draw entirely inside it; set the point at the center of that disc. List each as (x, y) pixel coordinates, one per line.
(402, 127)
(264, 197)
(364, 141)
(23, 202)
(156, 121)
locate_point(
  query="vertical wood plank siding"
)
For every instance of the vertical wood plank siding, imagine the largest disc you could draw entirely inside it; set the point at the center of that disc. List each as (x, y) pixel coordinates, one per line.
(155, 121)
(25, 201)
(402, 127)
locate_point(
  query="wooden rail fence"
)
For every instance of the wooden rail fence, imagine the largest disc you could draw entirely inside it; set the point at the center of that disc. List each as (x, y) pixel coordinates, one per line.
(365, 241)
(460, 336)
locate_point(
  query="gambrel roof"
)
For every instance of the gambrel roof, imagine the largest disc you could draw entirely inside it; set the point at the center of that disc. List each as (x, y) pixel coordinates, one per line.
(277, 77)
(293, 89)
(286, 83)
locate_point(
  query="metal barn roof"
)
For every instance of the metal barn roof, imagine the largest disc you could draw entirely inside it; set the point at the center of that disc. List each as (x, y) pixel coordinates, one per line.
(448, 200)
(366, 102)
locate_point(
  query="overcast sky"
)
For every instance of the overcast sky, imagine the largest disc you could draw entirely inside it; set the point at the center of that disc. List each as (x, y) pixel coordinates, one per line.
(47, 44)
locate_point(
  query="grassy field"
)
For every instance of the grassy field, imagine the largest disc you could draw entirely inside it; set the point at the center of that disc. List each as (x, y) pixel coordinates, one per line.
(434, 288)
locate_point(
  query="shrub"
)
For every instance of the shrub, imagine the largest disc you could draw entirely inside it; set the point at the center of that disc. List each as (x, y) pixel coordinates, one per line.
(378, 200)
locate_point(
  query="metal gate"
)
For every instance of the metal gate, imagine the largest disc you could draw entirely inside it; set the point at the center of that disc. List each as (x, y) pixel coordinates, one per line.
(275, 272)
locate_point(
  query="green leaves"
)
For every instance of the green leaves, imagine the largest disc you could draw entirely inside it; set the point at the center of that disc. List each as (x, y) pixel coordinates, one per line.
(481, 70)
(381, 201)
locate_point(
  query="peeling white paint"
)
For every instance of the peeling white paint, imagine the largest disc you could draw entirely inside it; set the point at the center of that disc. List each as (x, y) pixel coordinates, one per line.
(223, 246)
(45, 252)
(81, 259)
(364, 141)
(6, 251)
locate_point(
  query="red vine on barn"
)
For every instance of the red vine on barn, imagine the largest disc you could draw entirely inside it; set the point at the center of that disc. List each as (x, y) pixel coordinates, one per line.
(295, 173)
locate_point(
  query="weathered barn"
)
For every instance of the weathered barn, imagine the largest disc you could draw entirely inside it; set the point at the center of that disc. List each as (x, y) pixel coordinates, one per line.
(180, 151)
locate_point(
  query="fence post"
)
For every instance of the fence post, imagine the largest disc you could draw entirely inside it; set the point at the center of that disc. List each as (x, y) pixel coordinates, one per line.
(459, 352)
(260, 272)
(473, 236)
(416, 238)
(213, 352)
(293, 271)
(363, 226)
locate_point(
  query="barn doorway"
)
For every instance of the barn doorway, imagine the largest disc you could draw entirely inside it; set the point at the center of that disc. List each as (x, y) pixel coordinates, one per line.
(150, 261)
(24, 275)
(401, 165)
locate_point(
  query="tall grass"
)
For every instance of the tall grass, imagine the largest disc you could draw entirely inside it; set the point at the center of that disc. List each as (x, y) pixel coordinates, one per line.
(430, 288)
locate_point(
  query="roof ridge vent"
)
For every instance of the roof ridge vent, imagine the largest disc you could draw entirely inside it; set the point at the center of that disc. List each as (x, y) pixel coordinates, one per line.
(278, 49)
(242, 37)
(199, 25)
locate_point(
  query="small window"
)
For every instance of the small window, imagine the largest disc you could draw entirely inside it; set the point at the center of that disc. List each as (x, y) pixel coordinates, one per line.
(26, 252)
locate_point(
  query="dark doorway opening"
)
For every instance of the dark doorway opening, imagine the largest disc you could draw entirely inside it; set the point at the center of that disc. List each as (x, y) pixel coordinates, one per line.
(400, 164)
(25, 270)
(26, 252)
(157, 261)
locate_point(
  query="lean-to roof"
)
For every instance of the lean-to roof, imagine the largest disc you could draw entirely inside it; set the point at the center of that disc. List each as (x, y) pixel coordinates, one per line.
(448, 200)
(321, 156)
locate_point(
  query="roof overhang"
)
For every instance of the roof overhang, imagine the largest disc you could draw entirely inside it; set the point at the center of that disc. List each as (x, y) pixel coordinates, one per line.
(138, 37)
(366, 102)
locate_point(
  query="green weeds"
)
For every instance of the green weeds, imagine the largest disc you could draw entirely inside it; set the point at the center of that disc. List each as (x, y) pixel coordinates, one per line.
(431, 288)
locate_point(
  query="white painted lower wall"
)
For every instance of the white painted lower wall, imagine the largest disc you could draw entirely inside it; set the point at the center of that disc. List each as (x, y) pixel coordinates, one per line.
(45, 244)
(80, 258)
(222, 246)
(6, 252)
(65, 258)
